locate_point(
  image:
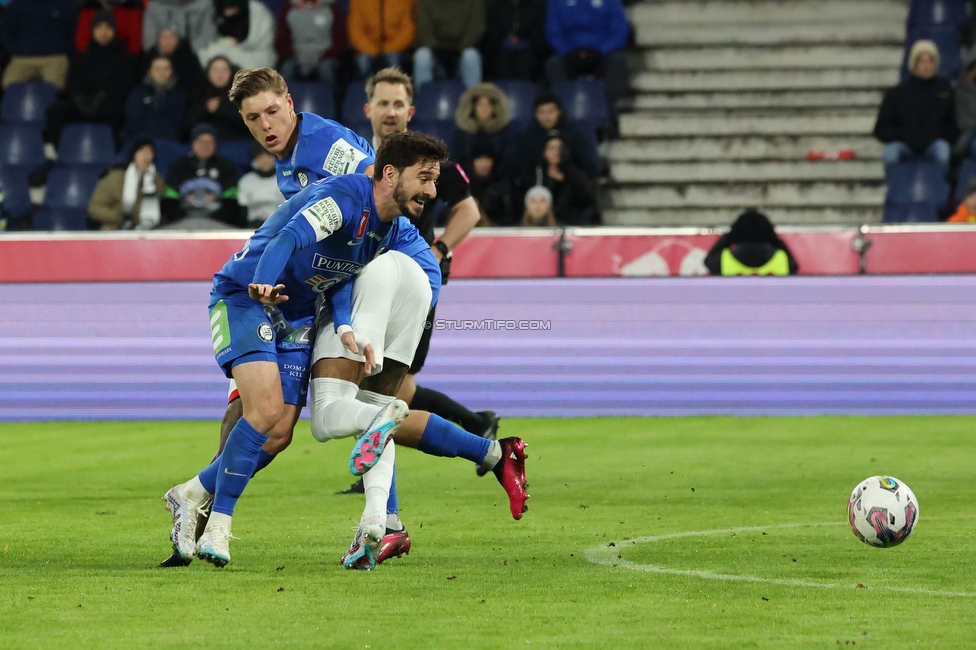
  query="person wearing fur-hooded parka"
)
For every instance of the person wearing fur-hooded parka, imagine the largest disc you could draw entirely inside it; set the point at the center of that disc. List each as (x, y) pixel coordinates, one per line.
(483, 119)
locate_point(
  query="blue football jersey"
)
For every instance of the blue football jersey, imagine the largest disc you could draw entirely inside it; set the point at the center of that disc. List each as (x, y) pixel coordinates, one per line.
(408, 241)
(324, 149)
(319, 238)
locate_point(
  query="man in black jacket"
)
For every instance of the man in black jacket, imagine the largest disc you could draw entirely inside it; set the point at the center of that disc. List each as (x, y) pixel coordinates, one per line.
(917, 119)
(201, 187)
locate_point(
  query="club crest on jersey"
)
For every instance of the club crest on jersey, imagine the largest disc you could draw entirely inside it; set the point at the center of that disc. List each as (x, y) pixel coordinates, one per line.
(265, 333)
(302, 179)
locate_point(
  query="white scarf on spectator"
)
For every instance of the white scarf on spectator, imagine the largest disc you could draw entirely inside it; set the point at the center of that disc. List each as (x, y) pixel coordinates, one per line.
(149, 210)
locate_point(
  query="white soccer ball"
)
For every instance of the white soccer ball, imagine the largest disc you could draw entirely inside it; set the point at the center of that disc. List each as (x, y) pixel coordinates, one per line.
(883, 511)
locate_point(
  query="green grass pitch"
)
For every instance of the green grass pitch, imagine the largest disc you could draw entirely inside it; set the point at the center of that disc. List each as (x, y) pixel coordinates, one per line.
(82, 528)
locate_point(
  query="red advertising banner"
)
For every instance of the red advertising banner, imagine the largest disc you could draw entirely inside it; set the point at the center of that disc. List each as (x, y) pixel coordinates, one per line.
(500, 253)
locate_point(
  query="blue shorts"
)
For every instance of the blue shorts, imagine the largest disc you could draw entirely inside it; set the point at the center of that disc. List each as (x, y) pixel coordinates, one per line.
(243, 331)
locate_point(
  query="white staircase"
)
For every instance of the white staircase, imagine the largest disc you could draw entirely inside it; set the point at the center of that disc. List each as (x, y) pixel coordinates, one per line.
(729, 98)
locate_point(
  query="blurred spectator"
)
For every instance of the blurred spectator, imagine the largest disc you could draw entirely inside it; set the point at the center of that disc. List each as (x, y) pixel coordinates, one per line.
(129, 196)
(538, 208)
(39, 35)
(157, 105)
(967, 209)
(192, 20)
(573, 201)
(214, 107)
(380, 31)
(751, 247)
(489, 185)
(448, 33)
(917, 118)
(588, 37)
(549, 121)
(482, 117)
(201, 187)
(99, 81)
(514, 45)
(128, 23)
(186, 65)
(311, 37)
(258, 193)
(245, 34)
(4, 217)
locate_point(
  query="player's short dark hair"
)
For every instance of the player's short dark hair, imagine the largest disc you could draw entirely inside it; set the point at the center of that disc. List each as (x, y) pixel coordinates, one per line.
(394, 76)
(251, 81)
(407, 148)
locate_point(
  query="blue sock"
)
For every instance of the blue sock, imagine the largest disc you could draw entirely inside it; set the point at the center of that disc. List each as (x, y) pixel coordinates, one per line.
(264, 459)
(237, 463)
(208, 477)
(443, 438)
(393, 503)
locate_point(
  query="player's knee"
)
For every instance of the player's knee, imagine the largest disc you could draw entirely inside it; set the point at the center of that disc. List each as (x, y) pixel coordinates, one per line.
(264, 417)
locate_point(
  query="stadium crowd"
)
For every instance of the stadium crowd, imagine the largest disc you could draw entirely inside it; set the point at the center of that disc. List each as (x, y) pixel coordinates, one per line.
(124, 102)
(927, 123)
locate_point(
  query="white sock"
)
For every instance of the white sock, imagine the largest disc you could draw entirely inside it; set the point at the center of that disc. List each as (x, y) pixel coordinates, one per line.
(217, 519)
(393, 521)
(194, 492)
(336, 413)
(376, 399)
(493, 456)
(377, 485)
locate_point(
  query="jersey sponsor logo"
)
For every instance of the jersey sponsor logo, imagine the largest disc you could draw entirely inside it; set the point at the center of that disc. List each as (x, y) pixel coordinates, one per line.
(265, 333)
(322, 263)
(343, 158)
(302, 179)
(324, 217)
(286, 173)
(320, 283)
(373, 235)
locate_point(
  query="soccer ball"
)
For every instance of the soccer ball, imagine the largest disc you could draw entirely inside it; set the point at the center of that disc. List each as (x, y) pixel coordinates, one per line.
(883, 511)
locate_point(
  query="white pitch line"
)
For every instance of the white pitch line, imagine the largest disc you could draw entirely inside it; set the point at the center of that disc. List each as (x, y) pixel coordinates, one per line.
(610, 556)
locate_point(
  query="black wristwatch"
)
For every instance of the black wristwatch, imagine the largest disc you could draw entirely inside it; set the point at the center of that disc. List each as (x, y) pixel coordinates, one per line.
(442, 247)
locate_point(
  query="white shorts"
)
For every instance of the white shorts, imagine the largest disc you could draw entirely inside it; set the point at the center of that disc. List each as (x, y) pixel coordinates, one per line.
(390, 301)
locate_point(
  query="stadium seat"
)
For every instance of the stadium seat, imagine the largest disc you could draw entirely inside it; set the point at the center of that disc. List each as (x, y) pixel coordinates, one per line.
(21, 146)
(439, 129)
(437, 100)
(352, 107)
(60, 219)
(915, 212)
(521, 95)
(967, 171)
(69, 189)
(313, 97)
(241, 152)
(936, 13)
(16, 200)
(86, 145)
(946, 41)
(584, 101)
(167, 153)
(916, 182)
(27, 103)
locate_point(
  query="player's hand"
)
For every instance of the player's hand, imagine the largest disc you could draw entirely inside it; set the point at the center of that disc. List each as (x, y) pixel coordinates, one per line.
(354, 343)
(267, 294)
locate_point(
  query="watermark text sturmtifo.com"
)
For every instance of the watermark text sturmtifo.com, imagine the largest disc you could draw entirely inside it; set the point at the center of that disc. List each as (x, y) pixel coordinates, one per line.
(492, 324)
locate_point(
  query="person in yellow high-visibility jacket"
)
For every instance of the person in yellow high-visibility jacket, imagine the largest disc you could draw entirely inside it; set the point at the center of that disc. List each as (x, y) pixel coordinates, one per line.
(751, 247)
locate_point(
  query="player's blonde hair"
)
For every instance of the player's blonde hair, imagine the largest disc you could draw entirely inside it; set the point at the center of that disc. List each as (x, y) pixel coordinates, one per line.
(394, 76)
(251, 81)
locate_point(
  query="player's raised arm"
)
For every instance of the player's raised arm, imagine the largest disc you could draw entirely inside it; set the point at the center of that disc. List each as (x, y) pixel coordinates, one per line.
(320, 217)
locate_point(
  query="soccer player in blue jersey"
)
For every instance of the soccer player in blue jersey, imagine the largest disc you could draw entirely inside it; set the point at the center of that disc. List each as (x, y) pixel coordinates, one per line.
(314, 241)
